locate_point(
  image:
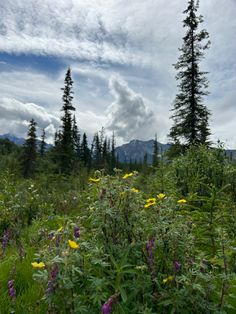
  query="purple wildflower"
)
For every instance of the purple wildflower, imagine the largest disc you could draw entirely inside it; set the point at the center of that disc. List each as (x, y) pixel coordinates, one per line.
(150, 247)
(52, 279)
(51, 235)
(177, 265)
(107, 307)
(77, 232)
(11, 289)
(5, 239)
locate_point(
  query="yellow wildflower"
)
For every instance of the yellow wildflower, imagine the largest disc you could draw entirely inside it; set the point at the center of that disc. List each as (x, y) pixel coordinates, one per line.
(134, 190)
(161, 196)
(182, 201)
(128, 175)
(92, 180)
(38, 265)
(150, 202)
(168, 279)
(73, 244)
(60, 229)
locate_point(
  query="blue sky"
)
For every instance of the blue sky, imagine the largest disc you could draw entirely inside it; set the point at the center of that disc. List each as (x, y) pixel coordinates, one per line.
(121, 55)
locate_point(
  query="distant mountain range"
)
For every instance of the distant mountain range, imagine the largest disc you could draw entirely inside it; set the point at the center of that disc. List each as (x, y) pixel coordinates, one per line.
(20, 140)
(136, 149)
(132, 151)
(17, 140)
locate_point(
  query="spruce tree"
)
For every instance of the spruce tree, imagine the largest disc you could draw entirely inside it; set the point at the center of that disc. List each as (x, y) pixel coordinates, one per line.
(113, 152)
(76, 137)
(190, 115)
(30, 152)
(84, 151)
(66, 146)
(42, 144)
(155, 152)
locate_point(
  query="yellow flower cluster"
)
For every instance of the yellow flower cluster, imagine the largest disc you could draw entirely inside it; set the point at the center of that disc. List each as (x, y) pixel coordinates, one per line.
(92, 180)
(169, 279)
(134, 190)
(36, 265)
(150, 202)
(73, 244)
(128, 175)
(182, 201)
(161, 196)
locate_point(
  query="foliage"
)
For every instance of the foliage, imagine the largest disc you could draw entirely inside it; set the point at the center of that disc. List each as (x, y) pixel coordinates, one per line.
(127, 243)
(190, 115)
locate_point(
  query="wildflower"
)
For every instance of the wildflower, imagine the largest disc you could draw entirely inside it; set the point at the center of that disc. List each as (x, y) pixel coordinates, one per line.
(52, 279)
(177, 265)
(150, 247)
(134, 190)
(60, 229)
(39, 265)
(51, 236)
(107, 307)
(182, 201)
(5, 239)
(128, 175)
(73, 244)
(92, 180)
(161, 196)
(150, 202)
(169, 279)
(11, 289)
(77, 232)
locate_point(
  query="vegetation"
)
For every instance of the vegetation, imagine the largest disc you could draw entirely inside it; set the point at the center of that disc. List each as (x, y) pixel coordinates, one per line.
(190, 115)
(159, 242)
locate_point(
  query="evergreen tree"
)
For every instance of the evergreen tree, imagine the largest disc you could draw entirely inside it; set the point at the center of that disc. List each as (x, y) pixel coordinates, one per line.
(113, 152)
(190, 115)
(30, 152)
(76, 137)
(97, 151)
(42, 148)
(84, 151)
(155, 152)
(66, 153)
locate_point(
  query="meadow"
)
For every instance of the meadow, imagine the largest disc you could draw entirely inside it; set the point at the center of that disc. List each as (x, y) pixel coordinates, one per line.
(158, 241)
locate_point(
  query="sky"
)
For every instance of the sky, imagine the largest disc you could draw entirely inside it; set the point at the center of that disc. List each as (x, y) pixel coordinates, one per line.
(121, 55)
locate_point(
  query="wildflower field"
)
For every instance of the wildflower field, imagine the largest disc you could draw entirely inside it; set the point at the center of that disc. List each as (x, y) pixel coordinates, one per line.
(159, 241)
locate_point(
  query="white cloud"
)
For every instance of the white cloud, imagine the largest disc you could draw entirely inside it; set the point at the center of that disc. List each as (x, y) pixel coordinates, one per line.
(15, 117)
(129, 115)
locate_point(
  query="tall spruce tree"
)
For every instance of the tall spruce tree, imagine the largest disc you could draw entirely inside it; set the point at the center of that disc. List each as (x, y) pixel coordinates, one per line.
(190, 115)
(85, 155)
(30, 152)
(155, 152)
(42, 147)
(66, 150)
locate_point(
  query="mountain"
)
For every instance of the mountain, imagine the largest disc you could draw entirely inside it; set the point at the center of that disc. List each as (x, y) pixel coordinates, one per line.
(19, 140)
(136, 149)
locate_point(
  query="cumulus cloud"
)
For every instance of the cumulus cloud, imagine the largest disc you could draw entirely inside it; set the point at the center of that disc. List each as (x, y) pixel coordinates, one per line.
(129, 115)
(15, 117)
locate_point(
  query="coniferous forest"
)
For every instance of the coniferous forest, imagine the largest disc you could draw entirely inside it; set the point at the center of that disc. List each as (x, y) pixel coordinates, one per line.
(82, 232)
